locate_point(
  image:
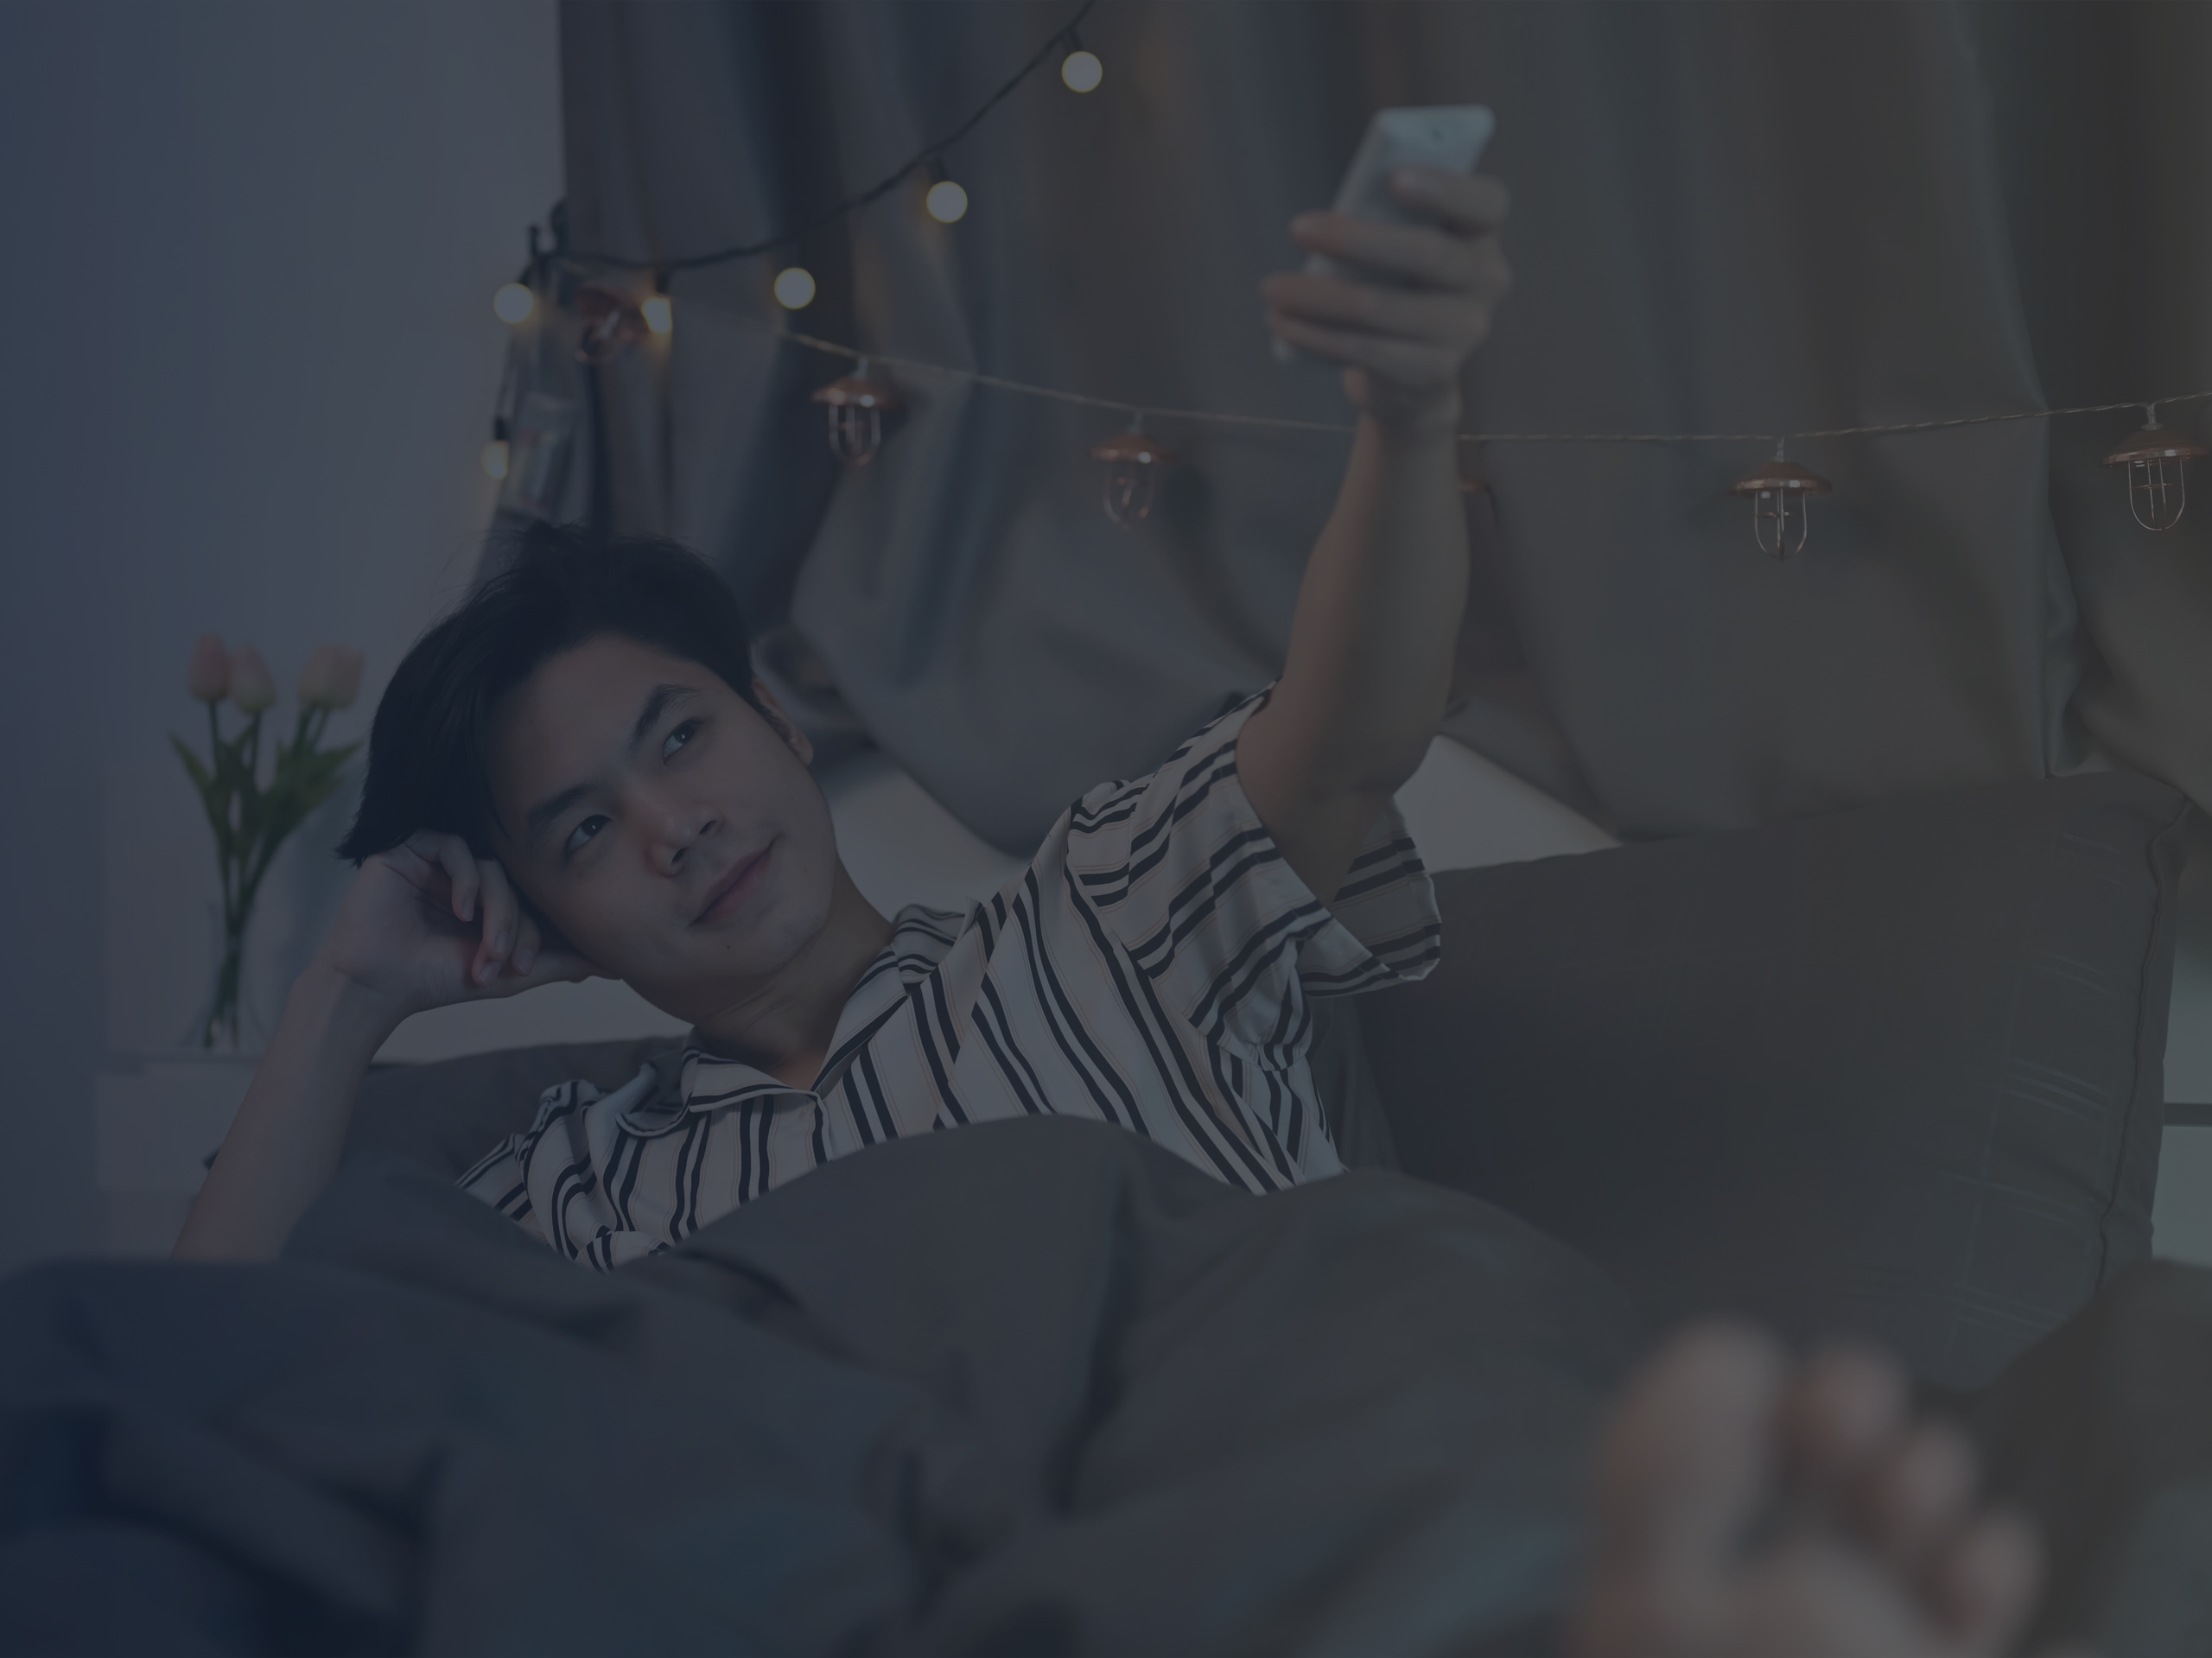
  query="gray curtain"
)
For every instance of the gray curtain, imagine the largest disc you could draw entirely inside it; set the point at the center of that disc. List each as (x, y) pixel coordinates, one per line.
(1738, 217)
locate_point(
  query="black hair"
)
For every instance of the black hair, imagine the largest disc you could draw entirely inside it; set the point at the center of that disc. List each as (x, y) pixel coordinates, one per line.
(562, 584)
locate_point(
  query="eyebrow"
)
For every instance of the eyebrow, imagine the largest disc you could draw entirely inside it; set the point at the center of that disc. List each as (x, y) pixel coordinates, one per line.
(656, 704)
(657, 701)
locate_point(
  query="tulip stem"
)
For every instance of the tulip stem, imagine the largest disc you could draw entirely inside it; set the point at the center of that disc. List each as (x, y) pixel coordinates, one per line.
(251, 824)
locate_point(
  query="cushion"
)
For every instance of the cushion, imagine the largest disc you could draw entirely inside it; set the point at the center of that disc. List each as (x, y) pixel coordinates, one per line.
(1894, 1072)
(447, 1116)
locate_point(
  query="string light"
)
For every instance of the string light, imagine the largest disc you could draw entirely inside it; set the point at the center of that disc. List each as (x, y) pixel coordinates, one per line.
(1080, 71)
(1134, 464)
(946, 201)
(612, 323)
(874, 192)
(2156, 502)
(1780, 490)
(1775, 488)
(1276, 423)
(794, 288)
(857, 404)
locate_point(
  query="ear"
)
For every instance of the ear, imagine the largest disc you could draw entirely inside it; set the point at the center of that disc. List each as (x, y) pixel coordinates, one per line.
(785, 726)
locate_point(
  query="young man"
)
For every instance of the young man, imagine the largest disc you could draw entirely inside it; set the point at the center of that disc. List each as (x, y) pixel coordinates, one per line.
(576, 773)
(582, 744)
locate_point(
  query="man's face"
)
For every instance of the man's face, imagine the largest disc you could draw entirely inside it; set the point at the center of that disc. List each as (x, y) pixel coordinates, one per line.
(671, 833)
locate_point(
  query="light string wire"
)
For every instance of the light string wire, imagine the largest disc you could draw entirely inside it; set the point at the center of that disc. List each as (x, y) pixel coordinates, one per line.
(1066, 34)
(1148, 411)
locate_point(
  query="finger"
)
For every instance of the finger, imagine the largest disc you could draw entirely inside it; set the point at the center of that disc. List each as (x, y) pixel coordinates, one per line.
(1453, 318)
(1412, 364)
(1428, 255)
(415, 861)
(499, 916)
(551, 966)
(451, 854)
(526, 944)
(1470, 204)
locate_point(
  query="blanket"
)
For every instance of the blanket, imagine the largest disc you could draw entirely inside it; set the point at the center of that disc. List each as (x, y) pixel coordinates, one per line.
(1028, 1386)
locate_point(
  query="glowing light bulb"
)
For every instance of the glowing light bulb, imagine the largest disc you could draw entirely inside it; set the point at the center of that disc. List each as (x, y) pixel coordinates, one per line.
(946, 202)
(794, 288)
(659, 314)
(1082, 71)
(494, 458)
(514, 303)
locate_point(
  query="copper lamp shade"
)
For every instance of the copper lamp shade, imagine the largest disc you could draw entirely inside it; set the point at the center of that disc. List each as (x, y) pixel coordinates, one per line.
(1133, 463)
(2157, 459)
(856, 406)
(612, 323)
(1779, 491)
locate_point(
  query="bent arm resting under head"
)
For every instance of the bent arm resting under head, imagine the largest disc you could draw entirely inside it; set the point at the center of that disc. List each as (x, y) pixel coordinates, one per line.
(423, 925)
(283, 1146)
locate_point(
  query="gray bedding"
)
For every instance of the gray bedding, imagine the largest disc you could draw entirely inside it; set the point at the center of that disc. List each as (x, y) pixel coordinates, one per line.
(1033, 1386)
(1030, 1387)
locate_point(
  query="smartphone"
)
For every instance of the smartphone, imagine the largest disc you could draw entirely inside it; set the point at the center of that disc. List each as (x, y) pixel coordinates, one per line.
(1447, 136)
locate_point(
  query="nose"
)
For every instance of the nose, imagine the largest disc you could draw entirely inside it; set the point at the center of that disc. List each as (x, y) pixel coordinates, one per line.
(682, 828)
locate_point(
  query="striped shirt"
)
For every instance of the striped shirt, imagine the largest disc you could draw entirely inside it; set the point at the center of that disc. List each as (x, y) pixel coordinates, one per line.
(1151, 967)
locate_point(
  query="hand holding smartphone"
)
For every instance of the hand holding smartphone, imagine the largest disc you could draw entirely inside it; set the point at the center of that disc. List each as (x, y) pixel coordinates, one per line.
(1450, 137)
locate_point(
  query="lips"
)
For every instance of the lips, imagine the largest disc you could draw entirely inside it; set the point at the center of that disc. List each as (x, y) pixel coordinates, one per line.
(732, 888)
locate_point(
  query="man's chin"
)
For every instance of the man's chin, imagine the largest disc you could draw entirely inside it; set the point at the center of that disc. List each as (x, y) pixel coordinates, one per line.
(739, 962)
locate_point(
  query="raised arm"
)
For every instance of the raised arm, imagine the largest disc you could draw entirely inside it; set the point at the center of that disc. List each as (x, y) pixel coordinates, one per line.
(1368, 666)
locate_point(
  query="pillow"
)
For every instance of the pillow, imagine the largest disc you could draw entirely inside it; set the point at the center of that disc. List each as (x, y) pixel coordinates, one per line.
(447, 1116)
(1894, 1072)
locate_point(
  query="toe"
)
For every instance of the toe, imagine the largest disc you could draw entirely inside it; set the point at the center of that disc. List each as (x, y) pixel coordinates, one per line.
(1915, 1495)
(1846, 1409)
(1685, 1463)
(1982, 1587)
(1819, 1597)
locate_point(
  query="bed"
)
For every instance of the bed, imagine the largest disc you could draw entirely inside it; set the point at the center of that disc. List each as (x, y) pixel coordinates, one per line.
(1037, 1387)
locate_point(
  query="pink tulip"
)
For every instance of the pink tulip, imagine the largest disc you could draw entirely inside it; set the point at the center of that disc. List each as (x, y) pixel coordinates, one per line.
(252, 688)
(332, 678)
(208, 675)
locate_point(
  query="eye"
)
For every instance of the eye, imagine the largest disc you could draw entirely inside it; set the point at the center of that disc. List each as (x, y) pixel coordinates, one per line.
(678, 737)
(581, 833)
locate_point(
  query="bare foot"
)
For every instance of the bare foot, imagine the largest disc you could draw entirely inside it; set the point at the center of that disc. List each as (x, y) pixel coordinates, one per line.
(1745, 1509)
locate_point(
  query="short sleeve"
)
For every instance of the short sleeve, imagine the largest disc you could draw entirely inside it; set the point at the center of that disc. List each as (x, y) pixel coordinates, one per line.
(548, 1181)
(501, 1176)
(1183, 875)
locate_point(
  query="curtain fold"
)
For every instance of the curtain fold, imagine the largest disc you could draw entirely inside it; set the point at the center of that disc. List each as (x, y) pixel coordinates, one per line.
(1732, 217)
(2104, 160)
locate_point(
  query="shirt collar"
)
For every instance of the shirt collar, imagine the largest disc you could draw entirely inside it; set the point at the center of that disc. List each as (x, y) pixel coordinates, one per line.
(699, 1079)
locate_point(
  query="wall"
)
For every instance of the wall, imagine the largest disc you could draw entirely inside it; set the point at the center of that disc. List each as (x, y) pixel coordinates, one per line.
(251, 360)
